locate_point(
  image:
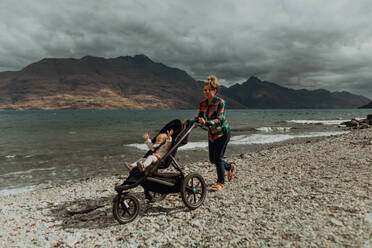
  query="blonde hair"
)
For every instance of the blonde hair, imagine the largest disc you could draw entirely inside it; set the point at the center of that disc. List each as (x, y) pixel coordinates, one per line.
(213, 83)
(161, 137)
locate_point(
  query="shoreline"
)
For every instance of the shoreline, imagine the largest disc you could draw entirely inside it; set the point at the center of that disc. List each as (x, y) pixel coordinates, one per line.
(308, 192)
(184, 156)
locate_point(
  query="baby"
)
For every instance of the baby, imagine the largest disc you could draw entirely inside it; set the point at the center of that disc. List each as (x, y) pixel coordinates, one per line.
(159, 149)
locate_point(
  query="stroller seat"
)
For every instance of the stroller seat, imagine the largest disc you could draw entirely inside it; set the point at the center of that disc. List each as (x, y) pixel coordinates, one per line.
(177, 128)
(136, 176)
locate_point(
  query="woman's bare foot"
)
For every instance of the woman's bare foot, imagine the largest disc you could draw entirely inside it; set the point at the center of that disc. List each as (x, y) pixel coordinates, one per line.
(217, 187)
(230, 172)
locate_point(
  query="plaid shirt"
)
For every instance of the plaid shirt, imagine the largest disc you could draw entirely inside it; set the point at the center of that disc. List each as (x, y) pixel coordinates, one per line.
(215, 116)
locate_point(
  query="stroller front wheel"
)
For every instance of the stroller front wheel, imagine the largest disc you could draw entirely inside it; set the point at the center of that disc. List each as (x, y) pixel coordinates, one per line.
(125, 208)
(193, 190)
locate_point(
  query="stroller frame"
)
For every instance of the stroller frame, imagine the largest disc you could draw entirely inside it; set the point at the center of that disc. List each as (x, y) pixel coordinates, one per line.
(157, 185)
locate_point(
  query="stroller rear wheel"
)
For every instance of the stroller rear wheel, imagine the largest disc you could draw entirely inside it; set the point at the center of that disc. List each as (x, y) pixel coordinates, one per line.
(154, 196)
(125, 208)
(193, 190)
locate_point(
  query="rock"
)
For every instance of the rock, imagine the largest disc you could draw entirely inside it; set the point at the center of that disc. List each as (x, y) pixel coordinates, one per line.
(368, 219)
(363, 126)
(336, 222)
(358, 124)
(72, 239)
(352, 123)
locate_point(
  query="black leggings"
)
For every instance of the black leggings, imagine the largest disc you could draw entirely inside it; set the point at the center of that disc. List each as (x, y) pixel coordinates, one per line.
(217, 150)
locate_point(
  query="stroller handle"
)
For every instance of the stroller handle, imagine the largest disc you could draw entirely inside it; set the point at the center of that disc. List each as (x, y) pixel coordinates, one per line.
(202, 126)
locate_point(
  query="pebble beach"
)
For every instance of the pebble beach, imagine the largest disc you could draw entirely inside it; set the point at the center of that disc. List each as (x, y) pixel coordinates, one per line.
(314, 193)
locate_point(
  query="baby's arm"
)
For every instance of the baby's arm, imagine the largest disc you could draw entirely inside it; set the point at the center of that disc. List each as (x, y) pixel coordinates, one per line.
(148, 140)
(168, 141)
(169, 134)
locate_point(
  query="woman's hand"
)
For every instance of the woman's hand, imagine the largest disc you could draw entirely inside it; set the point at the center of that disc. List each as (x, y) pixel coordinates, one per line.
(146, 136)
(201, 120)
(185, 121)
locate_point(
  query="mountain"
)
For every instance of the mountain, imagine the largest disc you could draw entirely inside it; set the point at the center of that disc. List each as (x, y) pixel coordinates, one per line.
(369, 106)
(98, 83)
(139, 83)
(255, 93)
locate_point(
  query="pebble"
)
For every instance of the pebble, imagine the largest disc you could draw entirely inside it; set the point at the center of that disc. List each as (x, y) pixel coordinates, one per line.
(368, 219)
(336, 222)
(309, 194)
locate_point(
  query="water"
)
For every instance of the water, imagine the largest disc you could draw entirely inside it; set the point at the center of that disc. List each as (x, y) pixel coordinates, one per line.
(39, 148)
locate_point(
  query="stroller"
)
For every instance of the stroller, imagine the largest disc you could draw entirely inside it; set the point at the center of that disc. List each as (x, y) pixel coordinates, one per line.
(158, 184)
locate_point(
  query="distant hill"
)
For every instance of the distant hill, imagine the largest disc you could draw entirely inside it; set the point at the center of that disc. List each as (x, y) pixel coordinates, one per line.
(255, 93)
(140, 83)
(97, 83)
(369, 106)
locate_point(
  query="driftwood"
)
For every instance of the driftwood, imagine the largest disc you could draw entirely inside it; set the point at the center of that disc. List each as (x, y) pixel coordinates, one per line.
(83, 210)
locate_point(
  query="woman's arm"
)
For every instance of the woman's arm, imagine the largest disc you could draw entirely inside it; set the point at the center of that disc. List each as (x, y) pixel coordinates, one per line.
(201, 113)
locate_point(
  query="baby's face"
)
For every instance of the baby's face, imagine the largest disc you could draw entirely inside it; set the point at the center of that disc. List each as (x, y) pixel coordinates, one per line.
(161, 138)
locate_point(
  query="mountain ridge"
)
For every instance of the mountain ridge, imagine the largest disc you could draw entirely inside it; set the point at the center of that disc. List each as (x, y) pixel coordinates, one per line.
(138, 82)
(263, 94)
(369, 105)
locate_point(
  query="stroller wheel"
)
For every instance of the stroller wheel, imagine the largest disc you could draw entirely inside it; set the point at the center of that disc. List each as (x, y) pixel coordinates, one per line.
(154, 196)
(193, 190)
(125, 208)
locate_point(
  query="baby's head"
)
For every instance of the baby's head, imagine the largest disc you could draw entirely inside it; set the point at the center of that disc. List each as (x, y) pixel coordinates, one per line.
(161, 138)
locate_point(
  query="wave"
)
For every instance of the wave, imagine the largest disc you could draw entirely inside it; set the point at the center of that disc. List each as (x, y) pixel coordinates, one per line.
(244, 129)
(20, 190)
(188, 146)
(251, 139)
(195, 145)
(27, 171)
(322, 122)
(11, 156)
(273, 138)
(273, 129)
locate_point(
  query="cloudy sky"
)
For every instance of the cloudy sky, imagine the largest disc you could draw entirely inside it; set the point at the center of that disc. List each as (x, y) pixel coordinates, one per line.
(296, 43)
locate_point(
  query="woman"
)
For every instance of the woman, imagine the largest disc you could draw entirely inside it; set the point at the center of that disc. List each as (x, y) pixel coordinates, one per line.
(212, 114)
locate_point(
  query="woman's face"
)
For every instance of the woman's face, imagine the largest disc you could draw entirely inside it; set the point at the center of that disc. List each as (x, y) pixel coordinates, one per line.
(208, 93)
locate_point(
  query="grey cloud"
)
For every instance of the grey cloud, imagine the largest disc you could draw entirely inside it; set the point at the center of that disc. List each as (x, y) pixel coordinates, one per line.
(298, 44)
